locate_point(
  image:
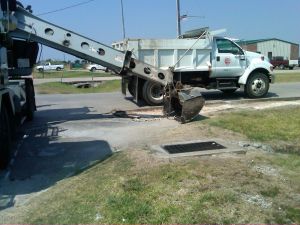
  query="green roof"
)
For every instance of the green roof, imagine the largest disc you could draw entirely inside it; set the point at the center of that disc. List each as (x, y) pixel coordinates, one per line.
(249, 42)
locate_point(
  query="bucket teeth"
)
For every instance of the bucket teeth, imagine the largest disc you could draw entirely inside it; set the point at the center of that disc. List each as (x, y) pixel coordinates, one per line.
(186, 105)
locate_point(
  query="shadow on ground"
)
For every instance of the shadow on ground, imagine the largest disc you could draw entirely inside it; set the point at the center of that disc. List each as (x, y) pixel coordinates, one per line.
(213, 95)
(239, 95)
(44, 158)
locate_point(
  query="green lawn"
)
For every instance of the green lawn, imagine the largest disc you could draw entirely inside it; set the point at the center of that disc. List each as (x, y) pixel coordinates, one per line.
(64, 88)
(280, 77)
(70, 74)
(200, 190)
(287, 77)
(273, 126)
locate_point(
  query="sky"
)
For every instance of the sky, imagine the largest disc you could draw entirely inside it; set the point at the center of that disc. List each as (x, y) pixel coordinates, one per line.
(101, 19)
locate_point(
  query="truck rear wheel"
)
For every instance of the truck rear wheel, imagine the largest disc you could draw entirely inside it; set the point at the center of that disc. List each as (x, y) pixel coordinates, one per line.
(58, 69)
(257, 85)
(153, 93)
(5, 138)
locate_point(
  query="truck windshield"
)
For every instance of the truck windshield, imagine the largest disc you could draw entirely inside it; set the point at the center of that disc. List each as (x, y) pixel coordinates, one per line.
(226, 46)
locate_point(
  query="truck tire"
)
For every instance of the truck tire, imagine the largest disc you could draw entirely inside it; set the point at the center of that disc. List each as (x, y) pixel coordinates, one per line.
(30, 98)
(281, 67)
(5, 138)
(153, 93)
(93, 69)
(291, 68)
(257, 86)
(58, 69)
(41, 70)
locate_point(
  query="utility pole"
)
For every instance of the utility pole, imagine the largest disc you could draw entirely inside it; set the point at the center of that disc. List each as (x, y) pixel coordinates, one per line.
(123, 20)
(178, 18)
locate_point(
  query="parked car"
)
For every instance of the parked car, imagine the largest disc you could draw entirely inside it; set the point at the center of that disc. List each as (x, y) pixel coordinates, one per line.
(94, 67)
(49, 66)
(282, 63)
(279, 62)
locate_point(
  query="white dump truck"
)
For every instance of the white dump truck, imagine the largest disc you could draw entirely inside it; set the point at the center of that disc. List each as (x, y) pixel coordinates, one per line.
(209, 62)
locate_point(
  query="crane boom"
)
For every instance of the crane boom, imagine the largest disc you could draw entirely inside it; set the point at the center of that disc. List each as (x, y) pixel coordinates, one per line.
(33, 28)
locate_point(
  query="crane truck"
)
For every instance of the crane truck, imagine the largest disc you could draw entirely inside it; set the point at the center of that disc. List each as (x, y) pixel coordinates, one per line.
(20, 34)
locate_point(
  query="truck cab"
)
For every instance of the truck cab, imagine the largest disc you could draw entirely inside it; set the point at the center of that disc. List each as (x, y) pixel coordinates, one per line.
(249, 70)
(228, 59)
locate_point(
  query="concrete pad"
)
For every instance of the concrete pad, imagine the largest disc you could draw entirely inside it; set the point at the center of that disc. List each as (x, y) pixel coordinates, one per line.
(229, 148)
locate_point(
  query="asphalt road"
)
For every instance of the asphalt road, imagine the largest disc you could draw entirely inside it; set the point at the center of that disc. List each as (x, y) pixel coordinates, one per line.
(106, 102)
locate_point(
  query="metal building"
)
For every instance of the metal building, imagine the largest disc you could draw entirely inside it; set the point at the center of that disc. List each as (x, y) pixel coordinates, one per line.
(272, 47)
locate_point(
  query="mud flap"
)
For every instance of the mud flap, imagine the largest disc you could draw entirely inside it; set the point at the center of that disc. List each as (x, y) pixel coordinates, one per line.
(186, 106)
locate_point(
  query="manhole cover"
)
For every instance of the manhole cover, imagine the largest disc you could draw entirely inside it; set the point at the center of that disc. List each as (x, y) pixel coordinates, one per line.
(193, 147)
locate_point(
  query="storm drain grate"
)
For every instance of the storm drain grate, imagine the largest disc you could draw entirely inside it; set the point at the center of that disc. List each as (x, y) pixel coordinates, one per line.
(193, 147)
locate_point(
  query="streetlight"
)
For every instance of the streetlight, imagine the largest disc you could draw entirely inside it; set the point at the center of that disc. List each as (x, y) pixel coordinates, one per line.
(178, 18)
(182, 17)
(123, 20)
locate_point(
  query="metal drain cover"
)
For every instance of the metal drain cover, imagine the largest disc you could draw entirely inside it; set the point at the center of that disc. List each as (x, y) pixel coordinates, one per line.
(193, 147)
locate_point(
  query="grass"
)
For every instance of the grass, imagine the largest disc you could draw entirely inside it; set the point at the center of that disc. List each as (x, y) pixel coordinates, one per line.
(287, 77)
(64, 88)
(69, 74)
(123, 190)
(273, 126)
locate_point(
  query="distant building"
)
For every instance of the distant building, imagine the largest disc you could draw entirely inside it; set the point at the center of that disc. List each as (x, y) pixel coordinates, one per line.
(272, 47)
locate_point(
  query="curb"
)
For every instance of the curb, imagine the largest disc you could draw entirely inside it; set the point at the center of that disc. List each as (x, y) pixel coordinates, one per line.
(252, 100)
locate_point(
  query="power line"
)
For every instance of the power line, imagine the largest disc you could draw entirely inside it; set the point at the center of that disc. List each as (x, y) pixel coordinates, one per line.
(65, 8)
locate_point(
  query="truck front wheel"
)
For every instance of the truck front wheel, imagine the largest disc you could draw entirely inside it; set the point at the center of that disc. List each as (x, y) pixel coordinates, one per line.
(5, 138)
(153, 93)
(257, 85)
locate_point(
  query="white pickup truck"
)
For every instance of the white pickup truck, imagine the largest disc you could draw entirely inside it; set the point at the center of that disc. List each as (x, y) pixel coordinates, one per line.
(48, 66)
(94, 67)
(210, 62)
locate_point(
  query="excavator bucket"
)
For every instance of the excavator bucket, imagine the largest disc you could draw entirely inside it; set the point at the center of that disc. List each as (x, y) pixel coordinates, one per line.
(185, 105)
